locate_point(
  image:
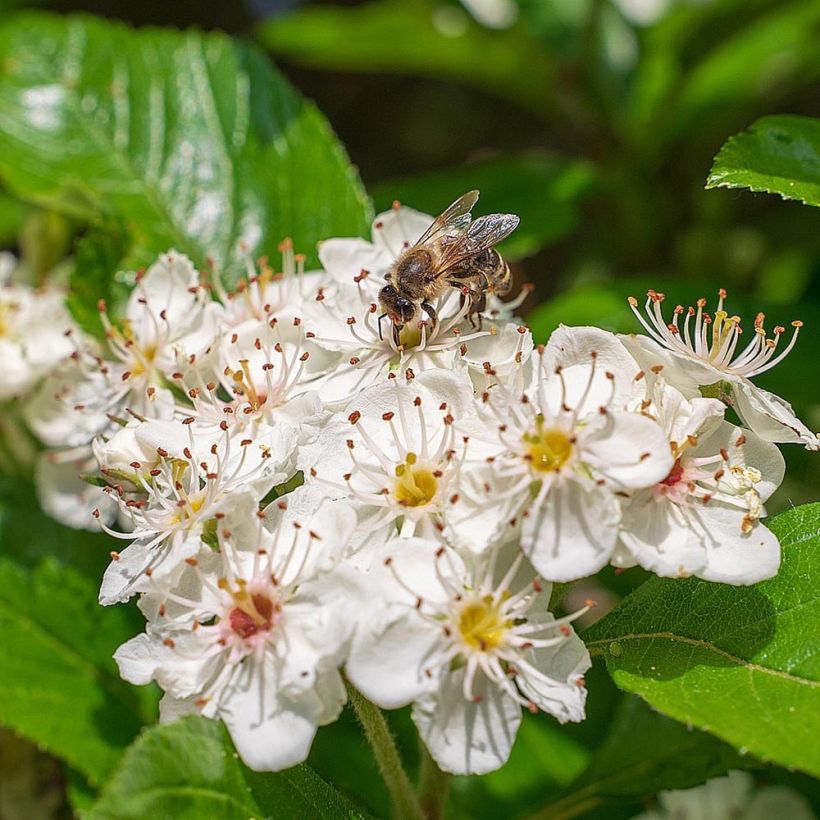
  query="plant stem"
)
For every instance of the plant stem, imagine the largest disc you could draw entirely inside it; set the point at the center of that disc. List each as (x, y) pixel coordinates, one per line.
(405, 806)
(434, 786)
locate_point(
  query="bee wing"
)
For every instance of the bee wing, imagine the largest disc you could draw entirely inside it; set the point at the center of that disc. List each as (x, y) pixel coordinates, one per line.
(452, 220)
(485, 232)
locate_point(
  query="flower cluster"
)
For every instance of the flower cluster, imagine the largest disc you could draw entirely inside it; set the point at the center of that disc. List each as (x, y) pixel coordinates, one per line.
(304, 498)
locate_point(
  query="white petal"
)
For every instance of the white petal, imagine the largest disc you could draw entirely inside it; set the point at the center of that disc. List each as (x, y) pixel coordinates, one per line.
(388, 665)
(563, 694)
(685, 372)
(734, 557)
(628, 449)
(270, 732)
(395, 230)
(571, 530)
(771, 417)
(663, 537)
(465, 737)
(343, 259)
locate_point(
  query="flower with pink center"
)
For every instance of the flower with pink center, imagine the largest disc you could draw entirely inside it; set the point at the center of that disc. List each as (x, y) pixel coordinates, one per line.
(469, 644)
(703, 518)
(184, 479)
(254, 633)
(702, 354)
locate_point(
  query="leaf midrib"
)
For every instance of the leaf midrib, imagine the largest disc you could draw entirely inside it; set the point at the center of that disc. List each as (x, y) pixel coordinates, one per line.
(599, 645)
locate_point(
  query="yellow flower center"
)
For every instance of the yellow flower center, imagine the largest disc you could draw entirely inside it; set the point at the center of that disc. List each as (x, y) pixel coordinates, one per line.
(481, 624)
(143, 357)
(415, 485)
(548, 449)
(410, 335)
(187, 512)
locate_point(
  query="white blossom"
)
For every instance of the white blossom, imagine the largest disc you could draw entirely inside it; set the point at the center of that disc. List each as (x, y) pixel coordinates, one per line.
(254, 635)
(570, 449)
(468, 644)
(733, 796)
(703, 518)
(704, 354)
(34, 332)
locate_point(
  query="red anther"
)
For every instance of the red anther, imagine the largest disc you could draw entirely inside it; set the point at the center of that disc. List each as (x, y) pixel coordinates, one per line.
(354, 417)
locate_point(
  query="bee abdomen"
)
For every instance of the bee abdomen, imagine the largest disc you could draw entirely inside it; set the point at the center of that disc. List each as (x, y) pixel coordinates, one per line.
(501, 278)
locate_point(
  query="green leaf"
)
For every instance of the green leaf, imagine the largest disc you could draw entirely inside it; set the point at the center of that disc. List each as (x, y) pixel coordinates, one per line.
(12, 213)
(189, 770)
(777, 155)
(419, 38)
(28, 535)
(543, 189)
(644, 753)
(739, 662)
(58, 684)
(191, 139)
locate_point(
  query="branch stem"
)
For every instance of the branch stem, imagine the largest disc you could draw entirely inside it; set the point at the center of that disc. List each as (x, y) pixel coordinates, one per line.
(403, 800)
(434, 786)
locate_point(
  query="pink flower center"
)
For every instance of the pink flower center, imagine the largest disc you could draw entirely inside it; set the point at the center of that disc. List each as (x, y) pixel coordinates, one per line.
(675, 474)
(255, 615)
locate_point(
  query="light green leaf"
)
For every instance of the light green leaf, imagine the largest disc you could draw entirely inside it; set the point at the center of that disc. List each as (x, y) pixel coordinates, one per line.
(191, 139)
(418, 38)
(543, 189)
(189, 770)
(644, 753)
(740, 662)
(777, 155)
(58, 684)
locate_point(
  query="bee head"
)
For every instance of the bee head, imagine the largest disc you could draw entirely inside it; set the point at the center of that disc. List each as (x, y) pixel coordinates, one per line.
(400, 310)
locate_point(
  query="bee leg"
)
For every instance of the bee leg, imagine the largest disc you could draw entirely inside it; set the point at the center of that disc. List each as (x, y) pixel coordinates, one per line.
(381, 337)
(431, 312)
(396, 334)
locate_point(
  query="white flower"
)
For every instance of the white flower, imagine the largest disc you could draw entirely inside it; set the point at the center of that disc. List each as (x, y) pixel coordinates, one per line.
(253, 635)
(187, 485)
(169, 321)
(733, 796)
(267, 294)
(703, 517)
(468, 645)
(65, 495)
(399, 455)
(348, 322)
(34, 332)
(255, 373)
(569, 450)
(702, 356)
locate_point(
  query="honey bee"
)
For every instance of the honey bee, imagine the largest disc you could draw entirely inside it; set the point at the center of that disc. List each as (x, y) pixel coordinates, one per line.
(455, 251)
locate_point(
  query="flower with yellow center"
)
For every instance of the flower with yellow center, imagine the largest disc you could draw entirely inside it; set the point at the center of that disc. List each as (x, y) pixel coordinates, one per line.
(416, 484)
(548, 449)
(469, 644)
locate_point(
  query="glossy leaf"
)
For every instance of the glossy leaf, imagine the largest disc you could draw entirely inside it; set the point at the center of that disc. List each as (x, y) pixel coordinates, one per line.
(191, 139)
(416, 38)
(12, 212)
(777, 155)
(739, 662)
(58, 684)
(189, 770)
(543, 189)
(644, 753)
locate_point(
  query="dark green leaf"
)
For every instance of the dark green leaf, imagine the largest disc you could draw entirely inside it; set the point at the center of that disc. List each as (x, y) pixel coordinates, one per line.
(189, 770)
(739, 662)
(416, 38)
(192, 139)
(58, 684)
(777, 155)
(543, 189)
(644, 753)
